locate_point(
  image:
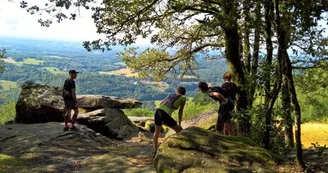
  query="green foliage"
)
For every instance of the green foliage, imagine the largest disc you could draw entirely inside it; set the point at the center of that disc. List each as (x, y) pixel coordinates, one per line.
(193, 109)
(139, 112)
(313, 95)
(7, 112)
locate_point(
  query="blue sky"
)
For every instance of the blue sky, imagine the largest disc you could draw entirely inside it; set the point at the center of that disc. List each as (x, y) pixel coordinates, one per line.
(16, 22)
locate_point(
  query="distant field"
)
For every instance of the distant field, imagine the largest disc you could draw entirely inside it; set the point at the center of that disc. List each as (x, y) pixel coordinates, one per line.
(10, 60)
(125, 71)
(6, 85)
(157, 86)
(31, 61)
(53, 70)
(314, 132)
(120, 64)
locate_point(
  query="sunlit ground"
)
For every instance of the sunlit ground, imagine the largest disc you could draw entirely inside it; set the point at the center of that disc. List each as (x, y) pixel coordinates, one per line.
(314, 132)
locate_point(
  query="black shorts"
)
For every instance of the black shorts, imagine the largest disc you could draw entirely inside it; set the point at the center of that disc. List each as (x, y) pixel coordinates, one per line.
(224, 114)
(70, 104)
(161, 117)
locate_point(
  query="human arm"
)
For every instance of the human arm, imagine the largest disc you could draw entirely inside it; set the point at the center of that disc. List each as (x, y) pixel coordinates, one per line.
(181, 112)
(73, 90)
(219, 97)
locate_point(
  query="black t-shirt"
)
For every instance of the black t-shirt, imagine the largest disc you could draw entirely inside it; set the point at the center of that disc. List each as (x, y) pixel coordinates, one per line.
(231, 89)
(67, 90)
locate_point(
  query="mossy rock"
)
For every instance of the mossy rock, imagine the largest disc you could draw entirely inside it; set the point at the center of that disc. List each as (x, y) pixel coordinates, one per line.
(198, 150)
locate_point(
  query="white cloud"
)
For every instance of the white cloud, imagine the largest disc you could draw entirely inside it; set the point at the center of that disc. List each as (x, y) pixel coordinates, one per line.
(16, 22)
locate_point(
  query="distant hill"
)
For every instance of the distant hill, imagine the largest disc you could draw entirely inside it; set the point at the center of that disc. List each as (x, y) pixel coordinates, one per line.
(102, 72)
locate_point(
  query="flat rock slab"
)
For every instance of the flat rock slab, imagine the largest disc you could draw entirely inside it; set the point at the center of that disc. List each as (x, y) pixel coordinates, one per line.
(36, 148)
(93, 102)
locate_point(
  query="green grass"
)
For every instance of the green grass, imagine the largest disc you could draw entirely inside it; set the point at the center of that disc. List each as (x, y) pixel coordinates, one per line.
(31, 61)
(7, 112)
(12, 164)
(7, 85)
(53, 70)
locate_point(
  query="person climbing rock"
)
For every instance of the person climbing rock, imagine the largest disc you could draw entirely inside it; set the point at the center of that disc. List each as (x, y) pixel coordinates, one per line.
(231, 89)
(69, 96)
(226, 104)
(164, 111)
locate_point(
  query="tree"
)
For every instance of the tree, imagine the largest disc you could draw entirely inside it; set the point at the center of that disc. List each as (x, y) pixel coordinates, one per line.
(183, 30)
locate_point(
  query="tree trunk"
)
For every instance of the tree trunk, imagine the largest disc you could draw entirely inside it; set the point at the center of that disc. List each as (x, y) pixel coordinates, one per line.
(269, 97)
(297, 109)
(232, 54)
(286, 105)
(256, 51)
(287, 68)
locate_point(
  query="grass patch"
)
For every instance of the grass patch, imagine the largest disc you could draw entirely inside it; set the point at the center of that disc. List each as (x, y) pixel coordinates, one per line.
(53, 70)
(125, 72)
(31, 61)
(7, 85)
(314, 132)
(11, 164)
(7, 112)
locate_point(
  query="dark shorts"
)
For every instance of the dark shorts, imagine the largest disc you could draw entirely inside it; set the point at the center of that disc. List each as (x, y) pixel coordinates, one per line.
(224, 114)
(70, 104)
(161, 117)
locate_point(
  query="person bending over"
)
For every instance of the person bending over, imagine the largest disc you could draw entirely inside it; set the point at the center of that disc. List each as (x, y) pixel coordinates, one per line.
(70, 100)
(226, 104)
(164, 111)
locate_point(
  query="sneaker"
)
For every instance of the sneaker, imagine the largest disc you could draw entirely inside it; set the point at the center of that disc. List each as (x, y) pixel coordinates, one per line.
(72, 128)
(65, 128)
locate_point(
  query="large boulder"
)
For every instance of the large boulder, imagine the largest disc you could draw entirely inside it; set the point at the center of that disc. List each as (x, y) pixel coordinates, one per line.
(198, 150)
(39, 103)
(42, 103)
(112, 123)
(94, 102)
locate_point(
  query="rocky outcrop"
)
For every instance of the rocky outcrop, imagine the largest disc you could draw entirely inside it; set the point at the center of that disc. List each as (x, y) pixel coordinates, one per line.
(112, 123)
(198, 150)
(39, 103)
(44, 147)
(42, 103)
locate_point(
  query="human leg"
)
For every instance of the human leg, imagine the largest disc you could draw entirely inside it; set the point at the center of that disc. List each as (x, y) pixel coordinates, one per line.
(76, 112)
(66, 118)
(158, 126)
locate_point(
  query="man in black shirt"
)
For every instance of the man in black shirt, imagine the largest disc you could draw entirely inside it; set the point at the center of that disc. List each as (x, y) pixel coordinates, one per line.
(70, 99)
(231, 89)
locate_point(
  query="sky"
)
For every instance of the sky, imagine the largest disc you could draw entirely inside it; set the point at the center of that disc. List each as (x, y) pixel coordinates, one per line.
(16, 22)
